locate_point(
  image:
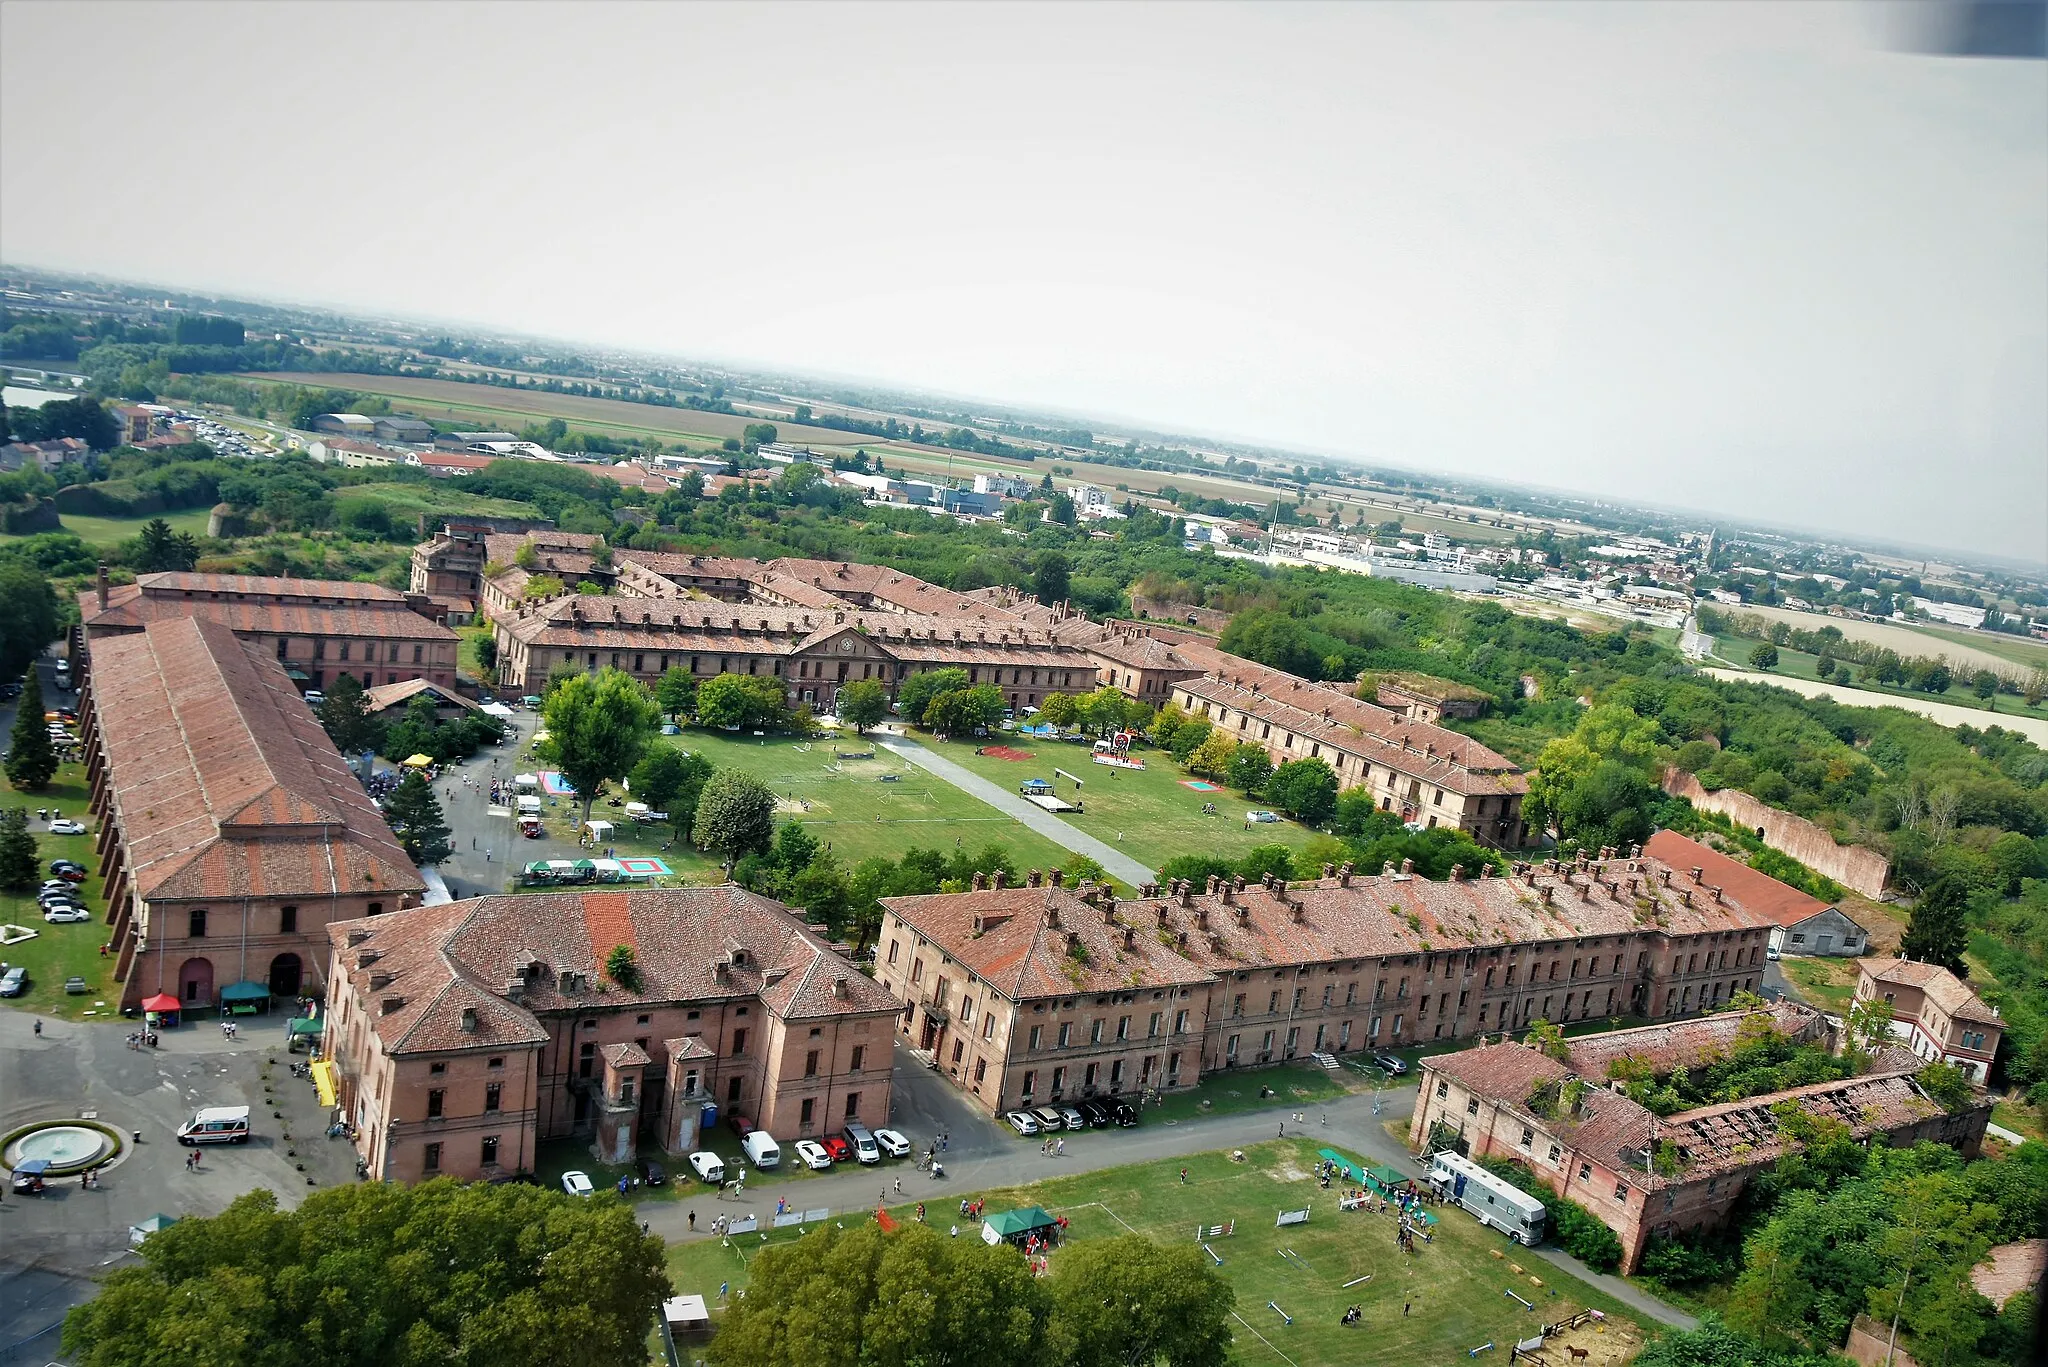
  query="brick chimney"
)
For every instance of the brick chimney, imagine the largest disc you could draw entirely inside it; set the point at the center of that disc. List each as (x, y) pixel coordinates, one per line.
(1058, 876)
(1052, 918)
(1130, 938)
(1407, 868)
(1698, 875)
(1244, 916)
(1457, 873)
(978, 883)
(101, 582)
(1032, 878)
(1329, 870)
(1344, 874)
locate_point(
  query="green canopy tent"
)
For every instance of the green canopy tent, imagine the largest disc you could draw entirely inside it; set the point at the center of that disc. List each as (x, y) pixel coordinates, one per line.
(302, 1033)
(245, 998)
(1015, 1226)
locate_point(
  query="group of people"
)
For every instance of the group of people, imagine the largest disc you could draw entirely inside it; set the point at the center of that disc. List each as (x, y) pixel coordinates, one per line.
(971, 1209)
(227, 1030)
(1353, 1315)
(1053, 1148)
(139, 1038)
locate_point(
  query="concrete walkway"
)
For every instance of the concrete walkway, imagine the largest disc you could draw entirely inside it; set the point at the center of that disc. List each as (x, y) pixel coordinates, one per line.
(1636, 1299)
(1119, 865)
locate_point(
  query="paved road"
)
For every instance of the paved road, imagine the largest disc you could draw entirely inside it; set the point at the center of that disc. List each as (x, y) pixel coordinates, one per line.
(1635, 1298)
(1119, 864)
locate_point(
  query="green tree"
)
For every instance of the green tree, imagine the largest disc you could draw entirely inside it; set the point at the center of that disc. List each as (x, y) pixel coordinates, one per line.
(862, 703)
(1261, 860)
(1984, 684)
(29, 618)
(1213, 756)
(662, 775)
(20, 865)
(1938, 930)
(1272, 638)
(160, 548)
(1304, 788)
(374, 1273)
(622, 966)
(915, 693)
(31, 759)
(598, 727)
(676, 691)
(487, 657)
(1248, 766)
(414, 813)
(1547, 1039)
(1128, 1300)
(735, 814)
(1058, 709)
(1765, 656)
(1189, 737)
(345, 716)
(743, 701)
(851, 1297)
(1050, 578)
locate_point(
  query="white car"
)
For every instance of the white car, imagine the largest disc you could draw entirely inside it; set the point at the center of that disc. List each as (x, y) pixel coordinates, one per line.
(577, 1183)
(893, 1144)
(1262, 818)
(60, 916)
(1021, 1122)
(813, 1155)
(66, 827)
(708, 1166)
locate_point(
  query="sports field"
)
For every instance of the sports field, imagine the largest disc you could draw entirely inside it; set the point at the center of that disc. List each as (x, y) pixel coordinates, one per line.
(1433, 1306)
(1151, 814)
(868, 807)
(108, 531)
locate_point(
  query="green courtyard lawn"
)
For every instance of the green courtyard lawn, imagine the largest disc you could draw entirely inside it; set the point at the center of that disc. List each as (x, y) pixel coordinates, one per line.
(109, 531)
(1149, 814)
(1301, 1083)
(1433, 1306)
(858, 814)
(1824, 981)
(61, 951)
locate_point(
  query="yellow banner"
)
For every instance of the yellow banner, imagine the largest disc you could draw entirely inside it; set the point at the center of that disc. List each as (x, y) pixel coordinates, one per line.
(323, 1082)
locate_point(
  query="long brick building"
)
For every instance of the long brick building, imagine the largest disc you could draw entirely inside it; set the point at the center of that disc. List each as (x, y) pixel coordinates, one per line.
(465, 1034)
(1045, 992)
(230, 831)
(317, 629)
(1646, 1175)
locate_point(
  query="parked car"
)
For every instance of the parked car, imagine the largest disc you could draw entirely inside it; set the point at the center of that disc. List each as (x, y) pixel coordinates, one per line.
(1049, 1119)
(653, 1173)
(1771, 952)
(66, 826)
(741, 1126)
(1390, 1062)
(14, 982)
(708, 1166)
(1073, 1117)
(840, 1150)
(216, 1125)
(1122, 1112)
(68, 871)
(66, 915)
(1022, 1122)
(1094, 1112)
(812, 1155)
(77, 986)
(761, 1147)
(577, 1183)
(892, 1143)
(862, 1140)
(67, 897)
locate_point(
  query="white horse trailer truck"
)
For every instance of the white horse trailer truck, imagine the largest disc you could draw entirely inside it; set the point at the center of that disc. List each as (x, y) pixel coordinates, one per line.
(1497, 1203)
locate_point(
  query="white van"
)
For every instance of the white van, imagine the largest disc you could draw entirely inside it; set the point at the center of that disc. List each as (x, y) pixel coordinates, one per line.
(1496, 1203)
(762, 1149)
(216, 1125)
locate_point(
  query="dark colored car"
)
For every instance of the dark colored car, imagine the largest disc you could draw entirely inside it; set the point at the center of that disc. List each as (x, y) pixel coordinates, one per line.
(68, 871)
(741, 1126)
(837, 1148)
(652, 1173)
(1094, 1112)
(1122, 1112)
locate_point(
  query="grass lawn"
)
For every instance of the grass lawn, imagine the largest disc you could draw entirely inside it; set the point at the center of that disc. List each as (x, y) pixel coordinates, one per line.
(466, 660)
(1800, 665)
(107, 531)
(1301, 1083)
(1453, 1290)
(860, 815)
(1147, 814)
(1824, 982)
(60, 951)
(2020, 1119)
(2018, 649)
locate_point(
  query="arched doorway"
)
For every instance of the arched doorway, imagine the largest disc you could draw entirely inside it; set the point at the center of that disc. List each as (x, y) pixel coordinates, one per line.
(195, 982)
(285, 975)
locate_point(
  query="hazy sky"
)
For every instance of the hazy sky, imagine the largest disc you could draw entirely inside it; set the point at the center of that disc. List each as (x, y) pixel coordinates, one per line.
(1733, 256)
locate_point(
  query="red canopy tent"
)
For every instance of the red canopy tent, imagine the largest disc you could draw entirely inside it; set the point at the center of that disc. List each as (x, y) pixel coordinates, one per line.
(162, 1001)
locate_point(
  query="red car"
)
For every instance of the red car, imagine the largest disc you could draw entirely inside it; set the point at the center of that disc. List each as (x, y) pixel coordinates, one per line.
(741, 1126)
(839, 1150)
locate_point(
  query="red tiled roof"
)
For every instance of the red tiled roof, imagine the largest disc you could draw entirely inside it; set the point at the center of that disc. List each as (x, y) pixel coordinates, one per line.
(1936, 983)
(1671, 1045)
(222, 781)
(1777, 902)
(385, 696)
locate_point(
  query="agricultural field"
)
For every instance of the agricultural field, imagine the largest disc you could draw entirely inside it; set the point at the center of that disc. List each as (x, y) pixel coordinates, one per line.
(871, 807)
(110, 531)
(2032, 725)
(1964, 649)
(1797, 664)
(1150, 815)
(1449, 1297)
(60, 951)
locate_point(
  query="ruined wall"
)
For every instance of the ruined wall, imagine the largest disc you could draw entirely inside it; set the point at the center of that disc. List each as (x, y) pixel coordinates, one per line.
(1208, 619)
(1852, 866)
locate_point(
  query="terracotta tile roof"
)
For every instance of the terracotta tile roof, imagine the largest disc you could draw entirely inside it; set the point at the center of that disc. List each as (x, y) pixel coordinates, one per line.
(223, 783)
(1672, 1045)
(179, 582)
(451, 460)
(385, 696)
(130, 607)
(1940, 986)
(1740, 1134)
(1023, 941)
(526, 956)
(624, 1055)
(1777, 902)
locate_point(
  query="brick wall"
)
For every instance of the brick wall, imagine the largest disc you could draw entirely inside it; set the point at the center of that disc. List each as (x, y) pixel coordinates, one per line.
(1852, 866)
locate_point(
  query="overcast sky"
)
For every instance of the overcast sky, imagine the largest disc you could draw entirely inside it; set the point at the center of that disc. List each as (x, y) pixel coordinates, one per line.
(1735, 257)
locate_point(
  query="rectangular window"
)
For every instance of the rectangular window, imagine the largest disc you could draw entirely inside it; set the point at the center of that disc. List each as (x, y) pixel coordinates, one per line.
(853, 1105)
(1528, 1136)
(497, 1061)
(1095, 1031)
(487, 1152)
(1237, 1005)
(1230, 1047)
(892, 951)
(1123, 1027)
(287, 920)
(807, 1111)
(1554, 1152)
(1472, 1106)
(492, 1092)
(980, 1070)
(1066, 1033)
(436, 1069)
(1180, 1023)
(1059, 1081)
(1037, 1036)
(917, 970)
(197, 927)
(434, 1100)
(739, 1042)
(988, 1025)
(1030, 1082)
(811, 1064)
(1273, 1004)
(432, 1160)
(860, 1052)
(1585, 1172)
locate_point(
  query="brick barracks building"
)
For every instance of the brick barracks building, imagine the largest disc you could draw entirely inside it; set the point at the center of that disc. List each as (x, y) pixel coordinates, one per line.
(1045, 993)
(465, 1034)
(1644, 1175)
(230, 831)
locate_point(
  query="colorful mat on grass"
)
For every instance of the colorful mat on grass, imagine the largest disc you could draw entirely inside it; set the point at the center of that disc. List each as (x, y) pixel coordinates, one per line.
(1198, 785)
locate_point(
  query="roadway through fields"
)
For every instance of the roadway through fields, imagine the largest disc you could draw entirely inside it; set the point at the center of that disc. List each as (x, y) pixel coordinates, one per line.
(1115, 861)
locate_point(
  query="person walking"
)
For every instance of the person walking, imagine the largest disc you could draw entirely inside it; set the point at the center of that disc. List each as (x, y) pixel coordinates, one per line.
(1060, 1149)
(1183, 1176)
(39, 1028)
(693, 1222)
(899, 1186)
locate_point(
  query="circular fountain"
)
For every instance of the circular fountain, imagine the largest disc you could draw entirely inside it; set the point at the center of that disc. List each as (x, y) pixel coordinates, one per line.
(68, 1146)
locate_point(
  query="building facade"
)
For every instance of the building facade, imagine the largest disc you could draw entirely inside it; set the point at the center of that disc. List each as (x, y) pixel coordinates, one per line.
(465, 1034)
(1645, 1175)
(1043, 992)
(1934, 1013)
(224, 861)
(1801, 923)
(318, 629)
